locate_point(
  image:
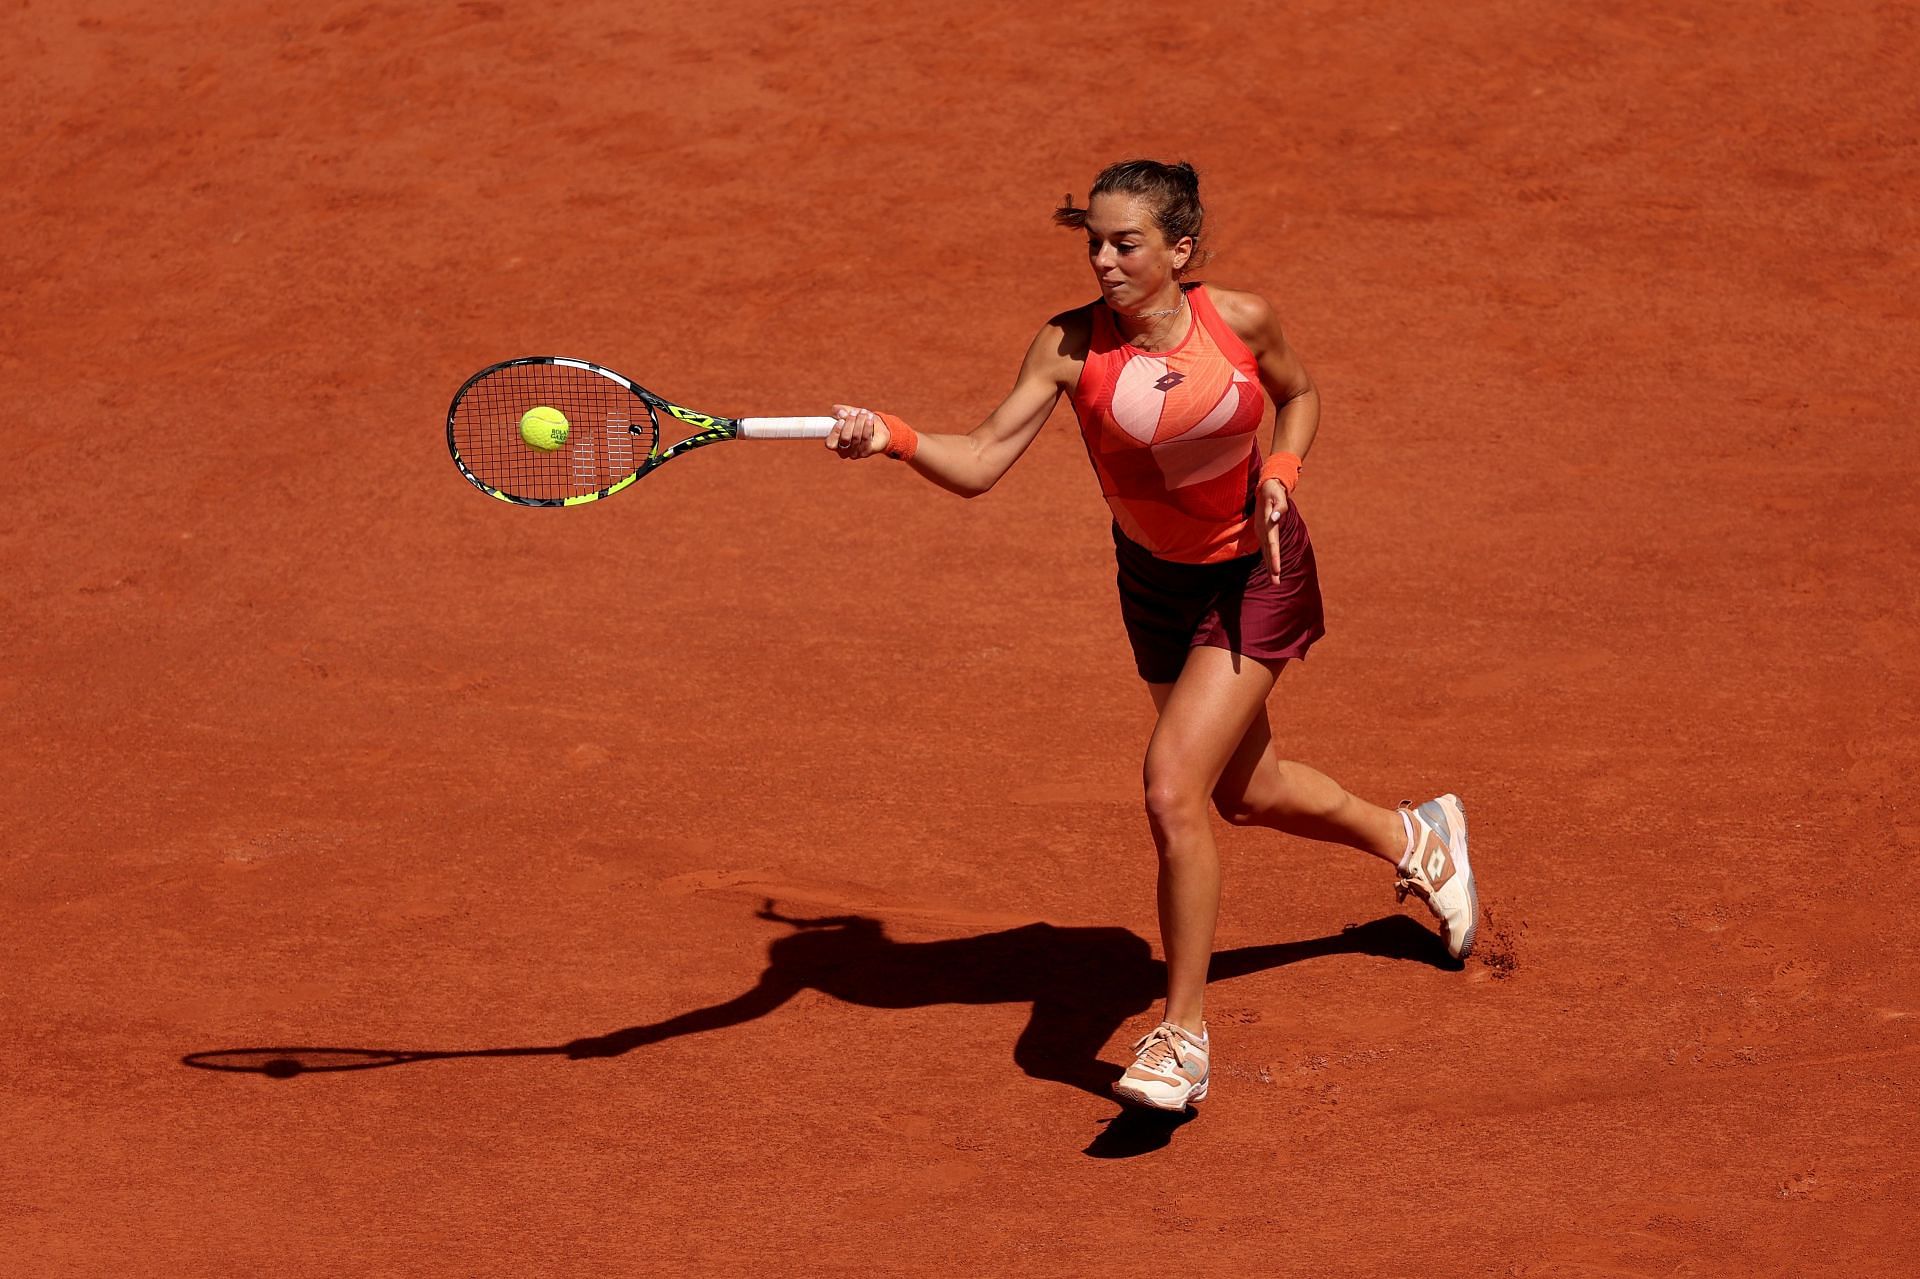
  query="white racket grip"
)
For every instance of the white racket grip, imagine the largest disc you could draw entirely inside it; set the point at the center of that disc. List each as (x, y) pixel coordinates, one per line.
(785, 428)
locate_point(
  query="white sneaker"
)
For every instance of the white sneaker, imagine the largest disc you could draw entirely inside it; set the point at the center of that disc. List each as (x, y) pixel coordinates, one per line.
(1435, 869)
(1169, 1069)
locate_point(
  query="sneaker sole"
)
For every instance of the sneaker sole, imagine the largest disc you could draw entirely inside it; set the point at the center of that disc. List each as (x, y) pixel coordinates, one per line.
(1197, 1093)
(1457, 814)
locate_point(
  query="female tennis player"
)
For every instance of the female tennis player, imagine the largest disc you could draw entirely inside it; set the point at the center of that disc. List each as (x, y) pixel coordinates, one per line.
(1218, 589)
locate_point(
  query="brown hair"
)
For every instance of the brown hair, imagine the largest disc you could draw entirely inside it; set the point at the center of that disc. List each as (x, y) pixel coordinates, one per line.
(1172, 191)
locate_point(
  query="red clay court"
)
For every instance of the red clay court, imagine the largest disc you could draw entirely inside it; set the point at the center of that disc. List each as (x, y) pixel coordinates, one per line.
(746, 875)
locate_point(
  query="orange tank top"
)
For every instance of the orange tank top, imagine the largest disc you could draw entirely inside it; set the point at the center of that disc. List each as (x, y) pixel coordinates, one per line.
(1171, 435)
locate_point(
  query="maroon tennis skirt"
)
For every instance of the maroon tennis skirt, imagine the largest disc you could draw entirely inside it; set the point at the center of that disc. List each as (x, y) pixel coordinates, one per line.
(1170, 608)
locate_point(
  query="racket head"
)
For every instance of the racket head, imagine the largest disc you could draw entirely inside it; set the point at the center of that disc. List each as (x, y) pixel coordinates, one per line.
(613, 435)
(286, 1063)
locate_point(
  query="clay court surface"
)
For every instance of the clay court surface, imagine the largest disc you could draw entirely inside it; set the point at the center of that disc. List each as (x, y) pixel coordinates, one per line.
(755, 857)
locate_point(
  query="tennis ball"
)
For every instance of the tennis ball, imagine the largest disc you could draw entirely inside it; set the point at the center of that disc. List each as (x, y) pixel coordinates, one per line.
(544, 428)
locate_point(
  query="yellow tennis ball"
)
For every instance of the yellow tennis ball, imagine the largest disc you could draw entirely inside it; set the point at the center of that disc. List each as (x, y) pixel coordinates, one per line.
(544, 428)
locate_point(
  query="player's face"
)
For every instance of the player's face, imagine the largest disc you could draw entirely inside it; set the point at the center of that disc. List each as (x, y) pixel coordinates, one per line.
(1130, 255)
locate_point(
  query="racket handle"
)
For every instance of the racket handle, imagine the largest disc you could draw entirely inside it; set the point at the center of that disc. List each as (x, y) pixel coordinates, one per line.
(785, 428)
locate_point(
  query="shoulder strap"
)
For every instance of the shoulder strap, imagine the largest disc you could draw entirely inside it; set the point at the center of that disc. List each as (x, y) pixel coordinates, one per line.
(1223, 335)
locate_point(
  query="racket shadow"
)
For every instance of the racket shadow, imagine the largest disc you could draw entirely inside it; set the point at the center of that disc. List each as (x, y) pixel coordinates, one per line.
(1083, 984)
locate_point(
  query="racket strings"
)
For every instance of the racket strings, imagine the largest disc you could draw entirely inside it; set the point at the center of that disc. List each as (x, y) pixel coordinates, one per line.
(601, 449)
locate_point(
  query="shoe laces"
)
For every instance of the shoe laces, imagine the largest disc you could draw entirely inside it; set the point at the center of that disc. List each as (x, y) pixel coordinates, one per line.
(1413, 880)
(1160, 1046)
(1412, 884)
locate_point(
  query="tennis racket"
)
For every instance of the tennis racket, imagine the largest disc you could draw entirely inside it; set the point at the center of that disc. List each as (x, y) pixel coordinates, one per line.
(287, 1063)
(612, 431)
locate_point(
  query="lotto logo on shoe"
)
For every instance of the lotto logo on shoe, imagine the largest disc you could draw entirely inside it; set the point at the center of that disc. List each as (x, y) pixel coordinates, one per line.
(1439, 867)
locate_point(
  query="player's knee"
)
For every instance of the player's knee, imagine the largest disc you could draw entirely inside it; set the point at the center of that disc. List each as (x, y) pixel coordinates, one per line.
(1173, 802)
(1238, 808)
(1260, 800)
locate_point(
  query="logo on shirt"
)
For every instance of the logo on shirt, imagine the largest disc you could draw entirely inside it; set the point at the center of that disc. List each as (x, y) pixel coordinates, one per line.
(1170, 381)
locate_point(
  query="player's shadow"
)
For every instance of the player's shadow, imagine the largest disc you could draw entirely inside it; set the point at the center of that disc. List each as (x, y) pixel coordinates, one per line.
(1084, 984)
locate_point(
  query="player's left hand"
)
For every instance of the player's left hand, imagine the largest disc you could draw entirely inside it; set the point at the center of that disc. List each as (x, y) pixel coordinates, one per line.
(1272, 509)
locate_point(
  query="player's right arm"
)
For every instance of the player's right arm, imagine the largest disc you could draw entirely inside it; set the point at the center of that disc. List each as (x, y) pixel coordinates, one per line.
(971, 464)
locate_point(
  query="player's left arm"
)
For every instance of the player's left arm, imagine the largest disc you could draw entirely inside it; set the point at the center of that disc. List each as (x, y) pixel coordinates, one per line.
(1287, 382)
(1296, 401)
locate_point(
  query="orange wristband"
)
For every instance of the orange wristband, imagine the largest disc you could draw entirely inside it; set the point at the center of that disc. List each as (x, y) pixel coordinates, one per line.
(1284, 467)
(902, 440)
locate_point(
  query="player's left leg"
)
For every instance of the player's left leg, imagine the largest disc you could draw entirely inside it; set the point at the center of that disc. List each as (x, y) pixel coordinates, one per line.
(1258, 788)
(1426, 845)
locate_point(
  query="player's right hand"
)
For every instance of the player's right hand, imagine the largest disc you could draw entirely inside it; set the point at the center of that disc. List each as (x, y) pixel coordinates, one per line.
(857, 433)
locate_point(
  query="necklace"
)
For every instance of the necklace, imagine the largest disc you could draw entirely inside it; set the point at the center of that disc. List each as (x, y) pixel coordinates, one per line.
(1154, 315)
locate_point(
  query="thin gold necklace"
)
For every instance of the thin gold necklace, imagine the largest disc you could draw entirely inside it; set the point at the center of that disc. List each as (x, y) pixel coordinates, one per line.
(1154, 315)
